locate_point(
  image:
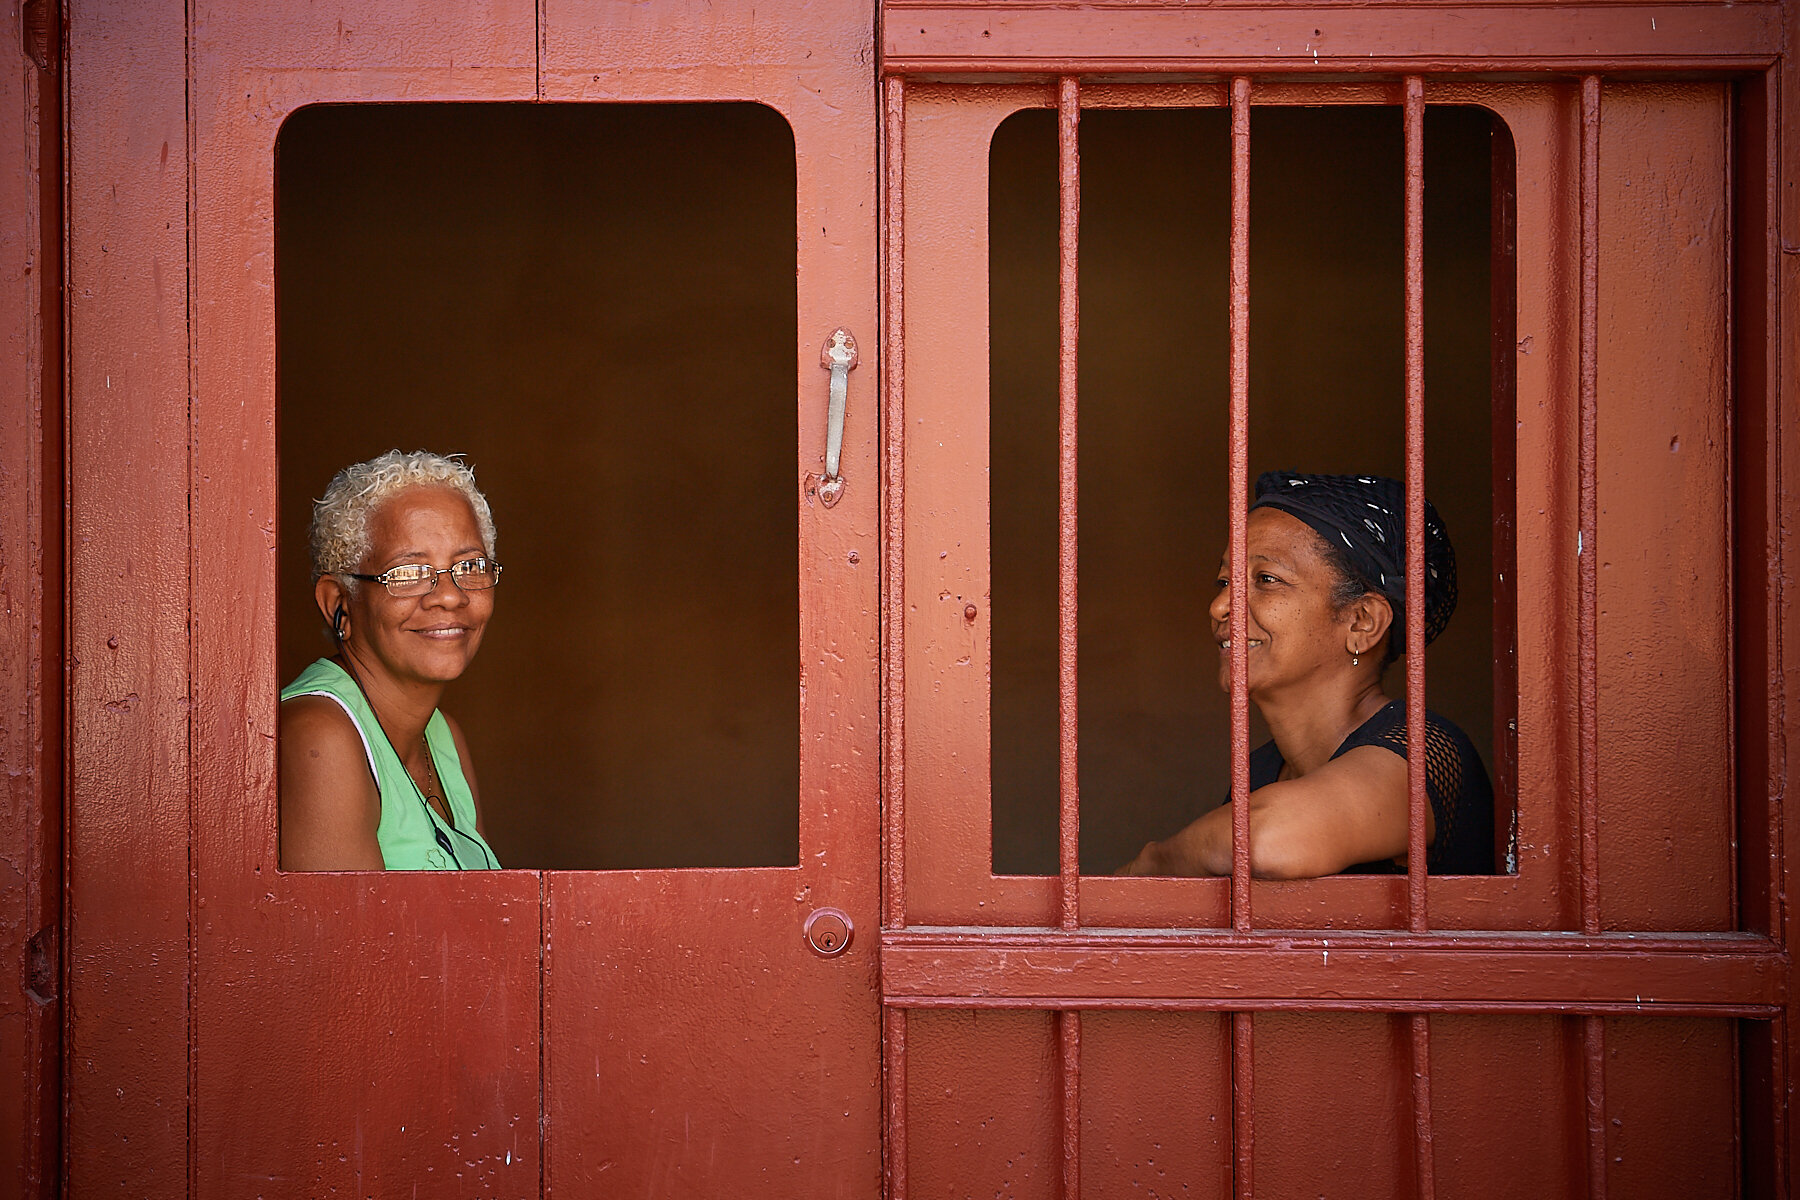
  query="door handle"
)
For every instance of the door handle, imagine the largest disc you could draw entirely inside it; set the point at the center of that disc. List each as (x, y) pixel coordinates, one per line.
(839, 357)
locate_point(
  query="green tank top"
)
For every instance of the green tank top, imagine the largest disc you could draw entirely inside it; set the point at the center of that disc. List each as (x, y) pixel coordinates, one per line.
(412, 836)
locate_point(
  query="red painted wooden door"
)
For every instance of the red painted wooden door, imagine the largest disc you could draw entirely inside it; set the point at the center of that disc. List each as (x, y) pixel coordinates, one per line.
(235, 1031)
(1514, 1034)
(511, 1033)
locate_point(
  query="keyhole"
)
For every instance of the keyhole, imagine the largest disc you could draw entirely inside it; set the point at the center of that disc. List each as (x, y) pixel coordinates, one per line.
(828, 932)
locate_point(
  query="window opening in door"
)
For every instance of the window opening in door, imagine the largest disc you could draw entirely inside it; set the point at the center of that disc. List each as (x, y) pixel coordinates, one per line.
(596, 304)
(1327, 370)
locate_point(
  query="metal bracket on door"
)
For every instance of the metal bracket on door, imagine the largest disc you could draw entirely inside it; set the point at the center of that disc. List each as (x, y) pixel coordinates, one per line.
(839, 357)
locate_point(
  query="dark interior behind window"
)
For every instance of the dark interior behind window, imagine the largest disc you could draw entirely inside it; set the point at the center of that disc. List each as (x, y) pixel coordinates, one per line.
(1327, 377)
(596, 304)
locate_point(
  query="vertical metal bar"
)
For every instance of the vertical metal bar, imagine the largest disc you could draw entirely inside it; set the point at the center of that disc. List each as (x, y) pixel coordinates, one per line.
(1772, 547)
(1504, 374)
(542, 31)
(1737, 1089)
(1243, 1106)
(893, 751)
(1782, 1168)
(1733, 633)
(1424, 1137)
(1593, 1086)
(192, 138)
(1068, 170)
(546, 1050)
(1593, 1028)
(1588, 705)
(1068, 1027)
(894, 1031)
(1240, 491)
(1415, 505)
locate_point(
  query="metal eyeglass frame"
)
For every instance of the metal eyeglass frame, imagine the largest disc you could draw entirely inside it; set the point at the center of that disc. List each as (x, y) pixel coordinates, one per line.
(455, 571)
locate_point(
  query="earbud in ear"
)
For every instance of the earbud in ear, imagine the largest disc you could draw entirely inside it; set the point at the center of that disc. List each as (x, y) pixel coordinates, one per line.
(339, 620)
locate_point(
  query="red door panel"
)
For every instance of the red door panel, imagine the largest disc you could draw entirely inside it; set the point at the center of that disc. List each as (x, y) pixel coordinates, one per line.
(694, 1047)
(1505, 1105)
(369, 1035)
(127, 1023)
(981, 1111)
(1672, 1098)
(1665, 648)
(1156, 1103)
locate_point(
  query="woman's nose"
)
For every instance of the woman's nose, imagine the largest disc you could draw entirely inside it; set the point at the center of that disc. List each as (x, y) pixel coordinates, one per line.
(1221, 605)
(445, 593)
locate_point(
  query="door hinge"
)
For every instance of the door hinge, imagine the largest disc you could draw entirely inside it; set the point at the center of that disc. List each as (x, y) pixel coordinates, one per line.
(40, 30)
(41, 965)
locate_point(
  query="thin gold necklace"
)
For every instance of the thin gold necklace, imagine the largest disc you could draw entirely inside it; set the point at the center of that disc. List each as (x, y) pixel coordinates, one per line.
(436, 790)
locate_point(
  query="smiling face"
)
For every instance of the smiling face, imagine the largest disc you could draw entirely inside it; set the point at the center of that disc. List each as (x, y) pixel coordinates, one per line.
(419, 639)
(1298, 635)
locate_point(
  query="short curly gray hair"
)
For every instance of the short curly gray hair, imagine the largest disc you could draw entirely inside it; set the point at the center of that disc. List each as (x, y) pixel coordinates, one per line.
(340, 522)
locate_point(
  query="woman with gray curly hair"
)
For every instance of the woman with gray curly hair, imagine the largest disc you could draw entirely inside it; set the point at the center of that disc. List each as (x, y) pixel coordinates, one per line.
(373, 776)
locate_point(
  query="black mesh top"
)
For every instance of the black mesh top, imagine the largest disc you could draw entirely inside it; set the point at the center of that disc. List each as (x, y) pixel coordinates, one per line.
(1462, 799)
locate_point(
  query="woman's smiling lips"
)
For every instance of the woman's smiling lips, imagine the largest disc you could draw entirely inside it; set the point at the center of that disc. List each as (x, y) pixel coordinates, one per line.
(1253, 643)
(443, 632)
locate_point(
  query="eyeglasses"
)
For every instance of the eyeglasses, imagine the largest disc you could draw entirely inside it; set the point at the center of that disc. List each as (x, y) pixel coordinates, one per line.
(420, 579)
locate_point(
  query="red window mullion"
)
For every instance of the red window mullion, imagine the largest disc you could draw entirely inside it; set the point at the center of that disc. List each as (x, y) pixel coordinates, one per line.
(1068, 174)
(1068, 1034)
(1593, 1028)
(1503, 367)
(1775, 885)
(1415, 503)
(1239, 491)
(1243, 1105)
(1424, 1136)
(1424, 1167)
(894, 579)
(894, 1034)
(1243, 1065)
(893, 758)
(1780, 1167)
(1588, 702)
(1593, 1079)
(1068, 170)
(1773, 250)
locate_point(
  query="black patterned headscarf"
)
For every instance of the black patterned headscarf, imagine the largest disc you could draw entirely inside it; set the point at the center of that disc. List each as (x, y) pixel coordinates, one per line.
(1363, 518)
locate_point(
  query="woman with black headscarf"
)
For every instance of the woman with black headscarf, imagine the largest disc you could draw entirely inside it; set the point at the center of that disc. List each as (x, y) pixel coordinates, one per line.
(1327, 594)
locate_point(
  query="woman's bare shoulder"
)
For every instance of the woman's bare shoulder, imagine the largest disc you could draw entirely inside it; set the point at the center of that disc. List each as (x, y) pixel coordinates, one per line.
(330, 806)
(319, 719)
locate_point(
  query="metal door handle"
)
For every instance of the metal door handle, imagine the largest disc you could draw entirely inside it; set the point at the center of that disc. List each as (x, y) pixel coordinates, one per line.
(839, 357)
